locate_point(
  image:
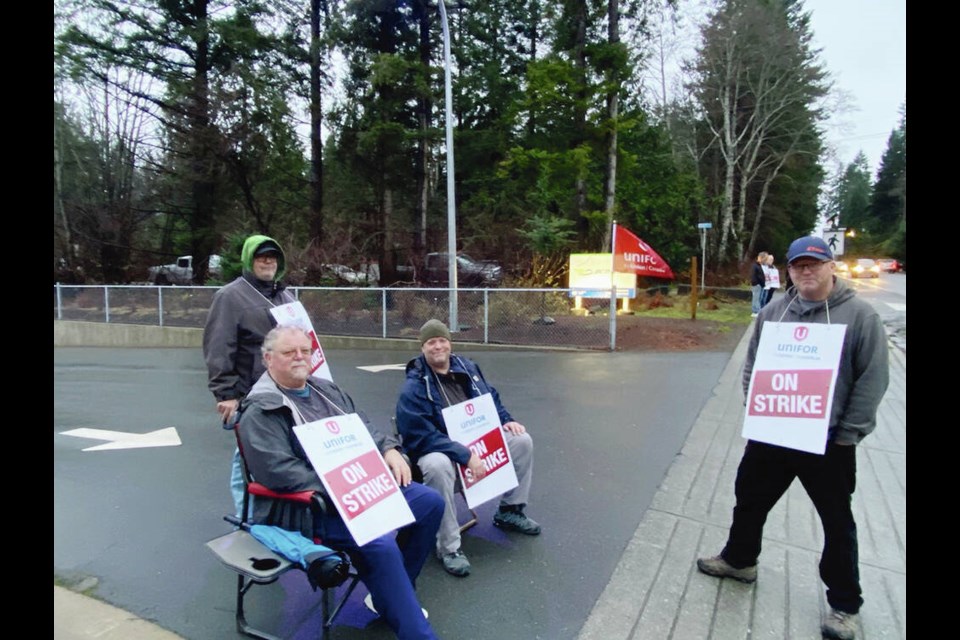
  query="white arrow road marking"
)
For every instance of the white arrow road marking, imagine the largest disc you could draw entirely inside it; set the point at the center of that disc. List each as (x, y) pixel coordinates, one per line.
(377, 368)
(121, 440)
(897, 307)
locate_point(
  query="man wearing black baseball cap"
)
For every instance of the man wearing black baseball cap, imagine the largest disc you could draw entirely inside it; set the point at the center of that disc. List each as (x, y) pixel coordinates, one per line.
(766, 471)
(237, 322)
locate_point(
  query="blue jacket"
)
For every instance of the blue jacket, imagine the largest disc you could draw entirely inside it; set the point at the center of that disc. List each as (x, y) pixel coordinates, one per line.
(419, 409)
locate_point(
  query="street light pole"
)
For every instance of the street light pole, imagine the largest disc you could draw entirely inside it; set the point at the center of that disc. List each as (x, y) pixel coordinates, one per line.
(451, 198)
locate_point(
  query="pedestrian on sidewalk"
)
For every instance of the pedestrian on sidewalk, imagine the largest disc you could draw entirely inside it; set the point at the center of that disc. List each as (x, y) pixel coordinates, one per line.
(772, 276)
(766, 471)
(758, 281)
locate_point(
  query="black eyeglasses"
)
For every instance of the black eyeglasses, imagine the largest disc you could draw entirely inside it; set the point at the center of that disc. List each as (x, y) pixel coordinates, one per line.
(809, 266)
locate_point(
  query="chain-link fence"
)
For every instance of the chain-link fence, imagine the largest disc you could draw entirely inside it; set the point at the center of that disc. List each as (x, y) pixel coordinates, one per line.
(542, 317)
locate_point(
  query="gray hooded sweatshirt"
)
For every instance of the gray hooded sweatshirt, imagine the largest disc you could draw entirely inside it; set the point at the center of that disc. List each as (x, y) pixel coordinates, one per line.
(864, 371)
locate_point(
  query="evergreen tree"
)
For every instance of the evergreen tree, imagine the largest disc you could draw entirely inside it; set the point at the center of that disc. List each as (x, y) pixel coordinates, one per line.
(888, 206)
(758, 83)
(850, 195)
(199, 57)
(377, 131)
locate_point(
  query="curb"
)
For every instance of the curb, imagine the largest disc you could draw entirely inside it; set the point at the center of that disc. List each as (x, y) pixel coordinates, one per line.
(79, 617)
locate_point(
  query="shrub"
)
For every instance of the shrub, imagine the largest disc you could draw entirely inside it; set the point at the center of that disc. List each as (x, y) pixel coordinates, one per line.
(658, 300)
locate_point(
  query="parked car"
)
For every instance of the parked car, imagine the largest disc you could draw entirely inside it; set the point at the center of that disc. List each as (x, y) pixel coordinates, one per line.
(344, 274)
(181, 271)
(470, 272)
(865, 268)
(890, 265)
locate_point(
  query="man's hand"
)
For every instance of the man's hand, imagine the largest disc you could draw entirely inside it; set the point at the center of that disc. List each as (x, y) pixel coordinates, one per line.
(475, 467)
(515, 428)
(226, 409)
(399, 467)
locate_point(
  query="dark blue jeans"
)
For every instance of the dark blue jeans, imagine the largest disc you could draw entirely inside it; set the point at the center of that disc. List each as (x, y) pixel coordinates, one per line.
(764, 475)
(757, 293)
(766, 297)
(389, 573)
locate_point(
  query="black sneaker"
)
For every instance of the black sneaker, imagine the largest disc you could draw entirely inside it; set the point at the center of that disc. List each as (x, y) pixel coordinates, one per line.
(516, 521)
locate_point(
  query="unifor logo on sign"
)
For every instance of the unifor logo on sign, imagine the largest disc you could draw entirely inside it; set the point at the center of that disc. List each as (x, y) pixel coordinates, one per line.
(638, 258)
(800, 333)
(469, 409)
(333, 427)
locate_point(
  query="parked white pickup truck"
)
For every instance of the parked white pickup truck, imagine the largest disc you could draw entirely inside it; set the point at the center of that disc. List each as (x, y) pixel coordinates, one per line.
(181, 271)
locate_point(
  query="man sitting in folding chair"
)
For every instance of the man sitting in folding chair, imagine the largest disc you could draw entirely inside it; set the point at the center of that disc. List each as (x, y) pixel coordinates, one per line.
(286, 395)
(437, 379)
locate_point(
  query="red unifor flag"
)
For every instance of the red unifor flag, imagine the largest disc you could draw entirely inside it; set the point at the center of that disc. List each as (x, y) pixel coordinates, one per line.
(633, 255)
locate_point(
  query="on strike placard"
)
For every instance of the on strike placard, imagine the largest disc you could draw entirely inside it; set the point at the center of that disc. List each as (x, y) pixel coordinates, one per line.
(293, 313)
(355, 475)
(791, 385)
(475, 424)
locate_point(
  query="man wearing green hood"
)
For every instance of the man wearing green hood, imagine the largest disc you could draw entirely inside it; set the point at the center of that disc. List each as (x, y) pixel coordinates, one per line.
(238, 320)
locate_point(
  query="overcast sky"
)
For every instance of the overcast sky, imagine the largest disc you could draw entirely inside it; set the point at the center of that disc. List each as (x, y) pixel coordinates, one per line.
(864, 48)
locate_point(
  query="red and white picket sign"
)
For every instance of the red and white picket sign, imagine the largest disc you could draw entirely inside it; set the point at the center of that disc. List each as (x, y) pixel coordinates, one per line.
(791, 385)
(355, 475)
(475, 424)
(294, 314)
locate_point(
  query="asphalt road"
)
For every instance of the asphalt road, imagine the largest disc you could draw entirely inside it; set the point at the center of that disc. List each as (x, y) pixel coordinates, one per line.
(888, 295)
(132, 523)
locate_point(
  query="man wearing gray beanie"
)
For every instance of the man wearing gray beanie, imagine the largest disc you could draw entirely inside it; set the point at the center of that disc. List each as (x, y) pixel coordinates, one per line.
(437, 379)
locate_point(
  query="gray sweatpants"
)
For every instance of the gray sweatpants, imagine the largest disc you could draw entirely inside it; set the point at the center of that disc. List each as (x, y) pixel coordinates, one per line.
(440, 473)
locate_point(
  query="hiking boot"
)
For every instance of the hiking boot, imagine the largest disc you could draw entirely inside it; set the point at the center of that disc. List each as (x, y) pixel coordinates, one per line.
(456, 564)
(717, 566)
(516, 521)
(368, 601)
(840, 625)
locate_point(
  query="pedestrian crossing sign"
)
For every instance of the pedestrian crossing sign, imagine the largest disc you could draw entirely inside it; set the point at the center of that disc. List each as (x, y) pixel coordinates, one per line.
(834, 240)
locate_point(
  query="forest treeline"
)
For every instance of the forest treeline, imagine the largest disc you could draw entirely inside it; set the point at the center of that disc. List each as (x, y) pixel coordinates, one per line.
(182, 126)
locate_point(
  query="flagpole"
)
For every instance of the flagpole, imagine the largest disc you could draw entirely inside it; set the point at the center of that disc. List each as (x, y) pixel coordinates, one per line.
(613, 288)
(613, 251)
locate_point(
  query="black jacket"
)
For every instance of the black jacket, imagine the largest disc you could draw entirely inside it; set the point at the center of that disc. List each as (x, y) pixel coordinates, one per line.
(757, 276)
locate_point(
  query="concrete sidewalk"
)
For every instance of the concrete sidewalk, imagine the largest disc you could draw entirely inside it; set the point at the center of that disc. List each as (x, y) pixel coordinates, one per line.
(79, 617)
(656, 591)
